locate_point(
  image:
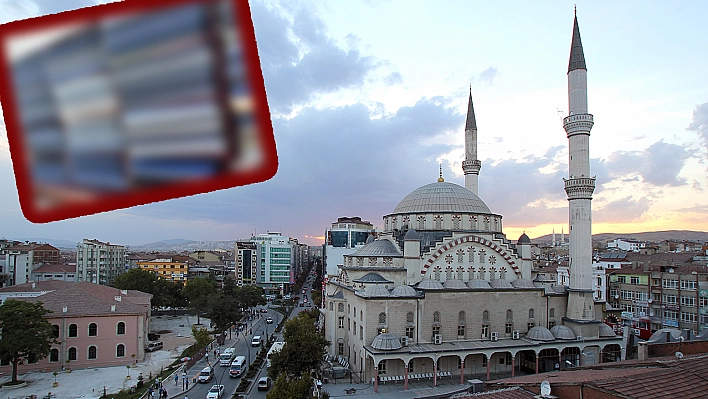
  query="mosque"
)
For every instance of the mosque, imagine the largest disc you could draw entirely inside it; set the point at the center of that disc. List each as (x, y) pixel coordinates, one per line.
(442, 292)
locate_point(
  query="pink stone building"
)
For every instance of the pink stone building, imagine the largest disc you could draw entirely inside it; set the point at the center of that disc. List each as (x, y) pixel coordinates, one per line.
(95, 325)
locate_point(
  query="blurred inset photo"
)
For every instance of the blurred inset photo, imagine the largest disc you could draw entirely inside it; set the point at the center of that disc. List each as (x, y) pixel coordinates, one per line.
(125, 104)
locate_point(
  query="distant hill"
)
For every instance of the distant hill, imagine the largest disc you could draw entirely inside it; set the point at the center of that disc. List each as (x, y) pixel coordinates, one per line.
(59, 244)
(655, 236)
(180, 245)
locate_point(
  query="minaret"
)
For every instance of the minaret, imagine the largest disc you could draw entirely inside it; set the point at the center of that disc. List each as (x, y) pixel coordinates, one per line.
(579, 186)
(471, 165)
(554, 237)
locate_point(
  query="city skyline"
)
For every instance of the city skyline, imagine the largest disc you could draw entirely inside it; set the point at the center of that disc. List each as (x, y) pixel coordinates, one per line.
(367, 101)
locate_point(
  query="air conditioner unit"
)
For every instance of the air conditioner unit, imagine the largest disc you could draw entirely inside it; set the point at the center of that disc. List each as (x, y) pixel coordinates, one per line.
(516, 334)
(404, 341)
(437, 338)
(495, 336)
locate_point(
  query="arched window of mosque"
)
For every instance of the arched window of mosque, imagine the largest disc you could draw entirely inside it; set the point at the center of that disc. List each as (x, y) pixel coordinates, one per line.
(496, 224)
(492, 273)
(386, 224)
(530, 313)
(388, 261)
(406, 220)
(421, 222)
(448, 273)
(482, 273)
(448, 259)
(360, 261)
(461, 317)
(473, 222)
(393, 222)
(492, 260)
(340, 307)
(552, 313)
(437, 272)
(470, 252)
(482, 255)
(460, 255)
(486, 223)
(372, 261)
(460, 270)
(382, 318)
(409, 317)
(436, 317)
(509, 315)
(485, 315)
(502, 273)
(438, 222)
(456, 221)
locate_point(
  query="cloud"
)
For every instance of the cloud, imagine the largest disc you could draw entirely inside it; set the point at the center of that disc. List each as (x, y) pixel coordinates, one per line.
(624, 210)
(393, 79)
(299, 59)
(658, 165)
(487, 76)
(699, 125)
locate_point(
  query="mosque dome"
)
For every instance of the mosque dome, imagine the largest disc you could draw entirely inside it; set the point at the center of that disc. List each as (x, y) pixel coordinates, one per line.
(378, 248)
(386, 342)
(372, 278)
(455, 284)
(539, 333)
(524, 239)
(606, 331)
(404, 290)
(428, 284)
(375, 290)
(500, 283)
(563, 332)
(522, 283)
(478, 284)
(441, 197)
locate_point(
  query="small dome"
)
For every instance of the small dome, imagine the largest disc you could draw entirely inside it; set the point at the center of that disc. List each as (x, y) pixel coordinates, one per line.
(428, 284)
(441, 197)
(372, 278)
(370, 239)
(539, 333)
(563, 332)
(386, 342)
(411, 234)
(376, 290)
(524, 239)
(500, 283)
(378, 248)
(606, 331)
(665, 335)
(522, 283)
(455, 284)
(404, 290)
(478, 284)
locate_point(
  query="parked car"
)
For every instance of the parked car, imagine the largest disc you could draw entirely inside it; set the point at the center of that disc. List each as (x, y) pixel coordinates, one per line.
(269, 320)
(215, 392)
(153, 346)
(264, 383)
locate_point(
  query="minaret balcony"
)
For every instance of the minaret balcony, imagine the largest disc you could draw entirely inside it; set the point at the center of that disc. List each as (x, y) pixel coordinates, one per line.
(579, 187)
(578, 124)
(472, 166)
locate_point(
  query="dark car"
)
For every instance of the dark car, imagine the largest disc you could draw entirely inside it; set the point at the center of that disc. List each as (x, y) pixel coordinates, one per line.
(269, 320)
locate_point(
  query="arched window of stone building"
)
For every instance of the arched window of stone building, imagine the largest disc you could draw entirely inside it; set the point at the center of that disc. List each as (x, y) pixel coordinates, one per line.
(509, 315)
(482, 273)
(372, 261)
(486, 223)
(438, 222)
(485, 316)
(448, 273)
(436, 317)
(460, 270)
(421, 222)
(437, 271)
(409, 317)
(470, 253)
(530, 313)
(460, 255)
(360, 261)
(461, 317)
(393, 222)
(502, 273)
(456, 221)
(482, 255)
(340, 307)
(551, 312)
(382, 318)
(492, 273)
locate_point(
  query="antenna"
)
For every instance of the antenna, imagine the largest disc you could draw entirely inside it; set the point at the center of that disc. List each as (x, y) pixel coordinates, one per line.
(545, 389)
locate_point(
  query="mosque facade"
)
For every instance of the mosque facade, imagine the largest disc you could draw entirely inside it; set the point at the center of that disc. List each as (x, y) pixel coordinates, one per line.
(442, 293)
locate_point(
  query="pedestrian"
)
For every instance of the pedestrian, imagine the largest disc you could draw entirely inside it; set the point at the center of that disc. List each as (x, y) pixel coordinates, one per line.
(187, 385)
(214, 353)
(150, 392)
(207, 357)
(176, 378)
(164, 393)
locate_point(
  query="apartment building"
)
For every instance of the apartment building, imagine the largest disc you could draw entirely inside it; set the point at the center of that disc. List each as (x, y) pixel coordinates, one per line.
(172, 268)
(99, 262)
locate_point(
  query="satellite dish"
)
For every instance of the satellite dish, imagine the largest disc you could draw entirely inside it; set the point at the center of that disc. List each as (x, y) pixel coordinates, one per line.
(545, 388)
(679, 355)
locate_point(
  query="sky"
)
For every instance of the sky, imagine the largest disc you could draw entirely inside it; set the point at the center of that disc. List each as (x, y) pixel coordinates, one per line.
(368, 99)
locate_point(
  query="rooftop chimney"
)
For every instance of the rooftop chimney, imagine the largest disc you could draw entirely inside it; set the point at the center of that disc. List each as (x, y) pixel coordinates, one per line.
(118, 298)
(113, 308)
(66, 309)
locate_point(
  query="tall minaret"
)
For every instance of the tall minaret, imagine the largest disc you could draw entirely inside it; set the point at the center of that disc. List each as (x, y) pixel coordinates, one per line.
(579, 186)
(471, 165)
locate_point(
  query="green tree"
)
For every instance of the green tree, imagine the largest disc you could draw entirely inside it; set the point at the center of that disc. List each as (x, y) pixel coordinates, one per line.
(26, 333)
(291, 388)
(201, 335)
(303, 349)
(140, 280)
(197, 291)
(250, 295)
(223, 310)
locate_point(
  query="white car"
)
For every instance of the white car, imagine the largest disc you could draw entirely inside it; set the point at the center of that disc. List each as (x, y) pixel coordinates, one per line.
(215, 392)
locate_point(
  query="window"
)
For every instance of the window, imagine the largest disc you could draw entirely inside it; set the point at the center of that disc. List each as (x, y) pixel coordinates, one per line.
(349, 324)
(340, 307)
(55, 330)
(361, 332)
(382, 318)
(669, 299)
(331, 306)
(688, 284)
(72, 354)
(436, 317)
(93, 330)
(509, 315)
(688, 301)
(552, 312)
(120, 329)
(551, 324)
(461, 317)
(508, 328)
(531, 313)
(671, 315)
(530, 326)
(341, 322)
(688, 317)
(460, 331)
(599, 281)
(671, 284)
(622, 279)
(73, 330)
(355, 328)
(382, 367)
(340, 348)
(409, 332)
(120, 350)
(485, 315)
(634, 280)
(485, 330)
(54, 355)
(409, 317)
(484, 360)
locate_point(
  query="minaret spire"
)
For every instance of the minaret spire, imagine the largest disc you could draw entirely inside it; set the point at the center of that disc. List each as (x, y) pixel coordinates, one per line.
(471, 165)
(579, 187)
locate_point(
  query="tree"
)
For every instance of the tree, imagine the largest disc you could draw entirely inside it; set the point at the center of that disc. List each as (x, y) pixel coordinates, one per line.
(223, 310)
(26, 333)
(250, 295)
(197, 291)
(201, 335)
(291, 388)
(303, 349)
(136, 279)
